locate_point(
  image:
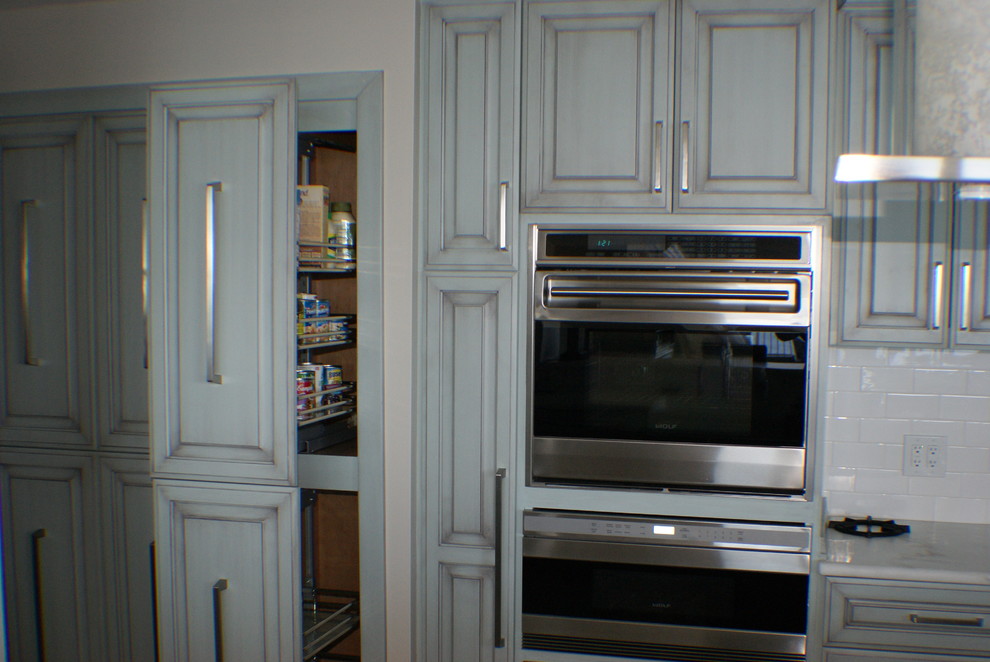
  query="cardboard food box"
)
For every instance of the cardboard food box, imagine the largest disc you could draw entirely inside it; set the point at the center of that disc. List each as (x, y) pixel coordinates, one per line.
(312, 219)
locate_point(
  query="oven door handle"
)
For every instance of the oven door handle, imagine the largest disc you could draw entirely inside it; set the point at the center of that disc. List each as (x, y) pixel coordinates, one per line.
(696, 293)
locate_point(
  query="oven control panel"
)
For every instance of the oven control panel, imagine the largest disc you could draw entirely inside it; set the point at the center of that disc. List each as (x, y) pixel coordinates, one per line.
(667, 531)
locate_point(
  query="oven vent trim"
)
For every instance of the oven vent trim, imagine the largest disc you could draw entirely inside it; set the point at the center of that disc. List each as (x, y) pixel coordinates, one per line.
(649, 651)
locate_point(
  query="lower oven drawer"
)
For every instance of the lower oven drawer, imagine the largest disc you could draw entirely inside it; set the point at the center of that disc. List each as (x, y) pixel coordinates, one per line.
(909, 616)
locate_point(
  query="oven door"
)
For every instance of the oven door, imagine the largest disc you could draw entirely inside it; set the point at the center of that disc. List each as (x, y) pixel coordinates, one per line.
(661, 602)
(694, 381)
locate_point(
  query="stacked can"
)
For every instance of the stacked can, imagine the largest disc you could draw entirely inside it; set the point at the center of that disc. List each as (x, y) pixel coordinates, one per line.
(333, 376)
(343, 228)
(309, 380)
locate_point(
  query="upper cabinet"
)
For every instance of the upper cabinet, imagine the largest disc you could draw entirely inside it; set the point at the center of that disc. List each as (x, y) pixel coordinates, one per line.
(222, 239)
(747, 132)
(44, 252)
(597, 110)
(470, 109)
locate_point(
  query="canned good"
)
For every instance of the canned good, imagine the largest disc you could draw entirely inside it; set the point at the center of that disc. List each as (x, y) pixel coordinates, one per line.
(309, 378)
(333, 375)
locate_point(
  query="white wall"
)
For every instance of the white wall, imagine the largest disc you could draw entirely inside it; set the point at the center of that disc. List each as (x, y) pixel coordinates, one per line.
(136, 41)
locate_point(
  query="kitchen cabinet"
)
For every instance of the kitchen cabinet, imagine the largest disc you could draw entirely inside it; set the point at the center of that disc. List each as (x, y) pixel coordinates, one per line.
(51, 557)
(469, 410)
(228, 565)
(922, 618)
(220, 164)
(910, 258)
(470, 54)
(120, 281)
(44, 395)
(126, 511)
(748, 131)
(222, 282)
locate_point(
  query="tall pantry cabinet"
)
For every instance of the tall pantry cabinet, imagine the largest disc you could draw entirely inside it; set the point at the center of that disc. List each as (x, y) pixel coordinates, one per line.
(220, 196)
(472, 247)
(73, 438)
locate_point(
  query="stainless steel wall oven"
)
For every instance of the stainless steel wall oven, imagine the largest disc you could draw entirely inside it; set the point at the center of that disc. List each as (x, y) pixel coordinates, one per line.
(665, 588)
(677, 359)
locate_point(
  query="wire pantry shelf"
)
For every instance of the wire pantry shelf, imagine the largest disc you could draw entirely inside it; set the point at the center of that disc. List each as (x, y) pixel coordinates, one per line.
(323, 264)
(328, 617)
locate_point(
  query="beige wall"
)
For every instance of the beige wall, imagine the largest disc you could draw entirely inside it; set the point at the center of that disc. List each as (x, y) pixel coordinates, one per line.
(134, 41)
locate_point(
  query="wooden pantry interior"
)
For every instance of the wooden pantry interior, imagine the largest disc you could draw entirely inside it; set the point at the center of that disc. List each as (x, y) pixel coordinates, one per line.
(267, 532)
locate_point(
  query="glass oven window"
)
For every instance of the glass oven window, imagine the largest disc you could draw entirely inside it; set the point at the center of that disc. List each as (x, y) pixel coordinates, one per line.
(668, 382)
(700, 597)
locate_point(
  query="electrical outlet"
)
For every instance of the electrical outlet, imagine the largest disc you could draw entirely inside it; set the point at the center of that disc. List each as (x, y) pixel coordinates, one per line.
(924, 456)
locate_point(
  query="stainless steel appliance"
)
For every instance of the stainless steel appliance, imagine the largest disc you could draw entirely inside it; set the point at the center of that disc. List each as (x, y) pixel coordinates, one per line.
(665, 588)
(677, 359)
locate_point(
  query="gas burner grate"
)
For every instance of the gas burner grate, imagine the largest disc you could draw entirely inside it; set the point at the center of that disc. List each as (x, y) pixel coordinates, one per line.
(869, 527)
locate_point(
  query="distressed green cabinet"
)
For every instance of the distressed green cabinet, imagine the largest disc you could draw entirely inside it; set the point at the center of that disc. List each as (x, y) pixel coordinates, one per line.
(469, 425)
(748, 131)
(471, 133)
(221, 242)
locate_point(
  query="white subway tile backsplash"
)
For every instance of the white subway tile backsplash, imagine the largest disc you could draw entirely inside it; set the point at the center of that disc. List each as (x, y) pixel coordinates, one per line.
(858, 456)
(884, 430)
(862, 405)
(842, 429)
(948, 486)
(844, 378)
(964, 408)
(887, 380)
(876, 396)
(911, 406)
(978, 382)
(964, 459)
(939, 382)
(971, 511)
(977, 434)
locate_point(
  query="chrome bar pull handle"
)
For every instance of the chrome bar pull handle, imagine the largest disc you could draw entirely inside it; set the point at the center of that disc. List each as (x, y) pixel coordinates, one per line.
(658, 157)
(499, 507)
(937, 311)
(154, 598)
(144, 275)
(29, 357)
(975, 622)
(39, 604)
(218, 588)
(685, 156)
(503, 200)
(966, 296)
(211, 282)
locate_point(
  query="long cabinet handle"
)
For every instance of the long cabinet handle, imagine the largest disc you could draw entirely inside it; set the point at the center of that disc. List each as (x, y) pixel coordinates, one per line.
(29, 357)
(211, 282)
(975, 622)
(144, 275)
(937, 309)
(658, 168)
(39, 604)
(503, 211)
(218, 588)
(499, 507)
(685, 156)
(154, 597)
(966, 296)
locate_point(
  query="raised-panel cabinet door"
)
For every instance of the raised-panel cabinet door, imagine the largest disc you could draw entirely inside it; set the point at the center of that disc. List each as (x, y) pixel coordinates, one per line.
(228, 572)
(43, 286)
(894, 272)
(469, 423)
(121, 280)
(471, 135)
(52, 595)
(127, 531)
(596, 118)
(221, 253)
(971, 321)
(752, 124)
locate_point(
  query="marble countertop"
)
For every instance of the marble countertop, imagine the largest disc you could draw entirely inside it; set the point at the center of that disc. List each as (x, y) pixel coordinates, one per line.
(930, 552)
